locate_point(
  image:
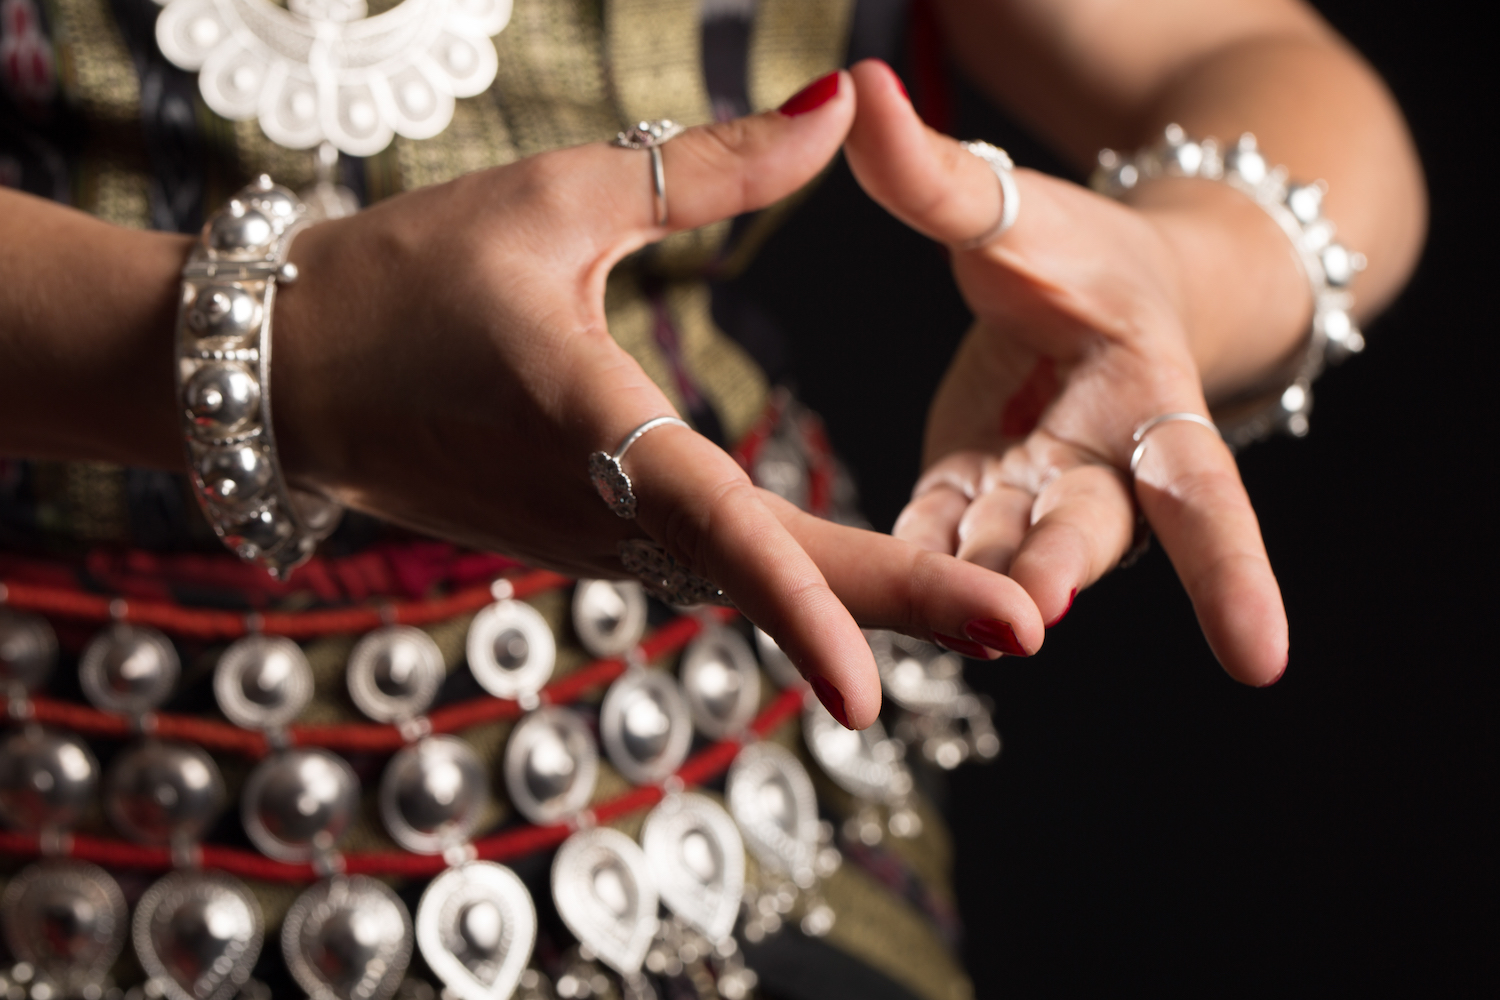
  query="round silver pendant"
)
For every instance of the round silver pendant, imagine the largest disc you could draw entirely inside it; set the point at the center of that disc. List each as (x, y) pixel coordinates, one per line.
(28, 649)
(347, 938)
(433, 794)
(771, 798)
(511, 649)
(263, 682)
(780, 666)
(698, 861)
(601, 883)
(198, 934)
(865, 763)
(47, 779)
(551, 765)
(67, 920)
(919, 676)
(645, 726)
(299, 802)
(128, 669)
(721, 682)
(609, 616)
(476, 926)
(163, 793)
(394, 673)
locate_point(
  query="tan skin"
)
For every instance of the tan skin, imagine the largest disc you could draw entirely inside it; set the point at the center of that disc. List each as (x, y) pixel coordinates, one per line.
(445, 362)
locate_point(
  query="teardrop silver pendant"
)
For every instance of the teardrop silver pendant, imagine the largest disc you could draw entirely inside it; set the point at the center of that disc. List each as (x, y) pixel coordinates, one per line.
(198, 934)
(67, 919)
(602, 885)
(348, 938)
(698, 861)
(772, 799)
(476, 927)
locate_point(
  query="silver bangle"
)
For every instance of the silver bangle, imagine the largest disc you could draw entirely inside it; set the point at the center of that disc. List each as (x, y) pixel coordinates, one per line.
(224, 381)
(1329, 266)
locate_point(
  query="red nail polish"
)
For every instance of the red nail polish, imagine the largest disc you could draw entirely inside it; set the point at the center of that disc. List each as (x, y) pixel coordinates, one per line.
(832, 700)
(812, 96)
(1279, 676)
(963, 647)
(995, 634)
(901, 85)
(1071, 598)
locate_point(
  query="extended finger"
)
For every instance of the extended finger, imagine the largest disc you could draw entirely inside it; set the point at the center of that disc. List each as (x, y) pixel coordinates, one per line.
(889, 583)
(695, 500)
(938, 502)
(1190, 491)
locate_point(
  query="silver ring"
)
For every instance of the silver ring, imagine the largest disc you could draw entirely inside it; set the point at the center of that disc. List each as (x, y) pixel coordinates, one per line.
(1139, 435)
(607, 472)
(1000, 162)
(651, 136)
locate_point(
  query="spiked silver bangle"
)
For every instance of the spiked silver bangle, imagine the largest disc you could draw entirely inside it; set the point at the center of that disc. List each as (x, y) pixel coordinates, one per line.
(224, 381)
(1297, 208)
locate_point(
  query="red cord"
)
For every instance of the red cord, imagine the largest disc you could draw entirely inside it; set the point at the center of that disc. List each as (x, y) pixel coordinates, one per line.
(508, 845)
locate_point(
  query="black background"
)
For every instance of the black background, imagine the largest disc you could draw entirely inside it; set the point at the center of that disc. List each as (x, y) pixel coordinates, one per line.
(1152, 823)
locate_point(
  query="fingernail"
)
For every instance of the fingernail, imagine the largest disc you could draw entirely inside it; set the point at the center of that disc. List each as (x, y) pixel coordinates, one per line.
(1279, 676)
(962, 646)
(812, 96)
(1071, 598)
(832, 700)
(995, 634)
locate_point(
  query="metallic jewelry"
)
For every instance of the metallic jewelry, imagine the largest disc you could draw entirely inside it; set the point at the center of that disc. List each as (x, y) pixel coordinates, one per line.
(224, 378)
(394, 673)
(609, 616)
(346, 937)
(28, 650)
(47, 780)
(607, 472)
(1329, 266)
(263, 682)
(433, 795)
(721, 682)
(651, 136)
(1139, 435)
(1000, 162)
(551, 765)
(67, 920)
(698, 861)
(511, 651)
(166, 794)
(476, 927)
(298, 803)
(128, 669)
(197, 935)
(645, 726)
(602, 885)
(666, 578)
(320, 70)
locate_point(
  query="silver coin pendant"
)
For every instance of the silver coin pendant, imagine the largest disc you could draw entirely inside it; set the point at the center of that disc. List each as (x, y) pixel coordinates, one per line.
(476, 926)
(698, 861)
(645, 726)
(602, 885)
(551, 765)
(721, 681)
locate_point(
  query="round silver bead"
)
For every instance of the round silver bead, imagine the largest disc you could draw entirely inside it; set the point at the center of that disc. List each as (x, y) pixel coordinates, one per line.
(1305, 201)
(394, 673)
(222, 399)
(128, 669)
(241, 232)
(261, 532)
(276, 203)
(67, 919)
(433, 794)
(1183, 159)
(1338, 265)
(234, 475)
(348, 938)
(28, 649)
(262, 682)
(1246, 160)
(47, 779)
(224, 311)
(163, 793)
(299, 803)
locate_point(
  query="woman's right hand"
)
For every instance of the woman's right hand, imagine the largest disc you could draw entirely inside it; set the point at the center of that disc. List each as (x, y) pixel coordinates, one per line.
(444, 363)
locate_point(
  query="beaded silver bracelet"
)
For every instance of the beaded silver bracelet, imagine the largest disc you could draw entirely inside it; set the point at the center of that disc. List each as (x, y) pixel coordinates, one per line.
(1329, 266)
(224, 381)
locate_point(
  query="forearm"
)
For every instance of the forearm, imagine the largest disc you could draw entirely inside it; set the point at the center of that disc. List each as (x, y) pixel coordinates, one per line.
(1090, 74)
(87, 312)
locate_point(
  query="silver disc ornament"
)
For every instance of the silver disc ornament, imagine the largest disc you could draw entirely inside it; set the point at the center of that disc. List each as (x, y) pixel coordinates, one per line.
(197, 935)
(128, 669)
(602, 885)
(771, 798)
(865, 763)
(28, 649)
(298, 803)
(433, 794)
(347, 938)
(511, 650)
(780, 666)
(47, 779)
(609, 616)
(698, 861)
(721, 681)
(919, 676)
(67, 920)
(263, 682)
(394, 673)
(476, 926)
(551, 765)
(163, 793)
(645, 726)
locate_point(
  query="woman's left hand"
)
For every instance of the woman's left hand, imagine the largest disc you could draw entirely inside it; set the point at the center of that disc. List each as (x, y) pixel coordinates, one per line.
(1078, 339)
